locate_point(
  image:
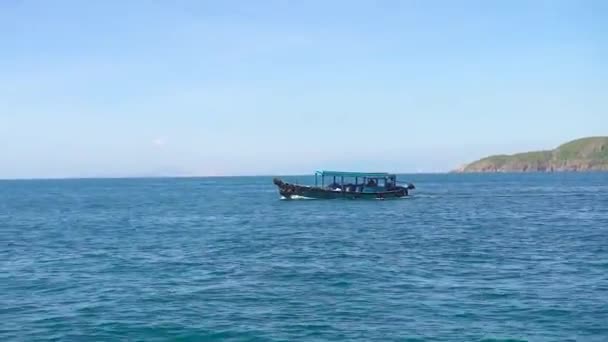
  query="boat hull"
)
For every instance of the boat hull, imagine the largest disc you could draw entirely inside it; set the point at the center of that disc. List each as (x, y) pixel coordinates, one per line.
(290, 191)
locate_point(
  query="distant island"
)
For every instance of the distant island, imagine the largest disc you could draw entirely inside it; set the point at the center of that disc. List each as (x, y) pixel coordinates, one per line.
(586, 154)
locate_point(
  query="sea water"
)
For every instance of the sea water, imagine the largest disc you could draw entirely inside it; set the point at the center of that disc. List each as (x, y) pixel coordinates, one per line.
(469, 257)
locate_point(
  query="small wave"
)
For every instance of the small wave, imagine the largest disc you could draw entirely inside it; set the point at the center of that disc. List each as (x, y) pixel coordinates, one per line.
(296, 197)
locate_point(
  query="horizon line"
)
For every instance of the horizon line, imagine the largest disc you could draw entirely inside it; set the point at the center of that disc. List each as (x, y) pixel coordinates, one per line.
(185, 177)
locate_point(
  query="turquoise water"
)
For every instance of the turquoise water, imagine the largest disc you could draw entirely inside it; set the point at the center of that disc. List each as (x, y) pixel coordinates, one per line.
(468, 258)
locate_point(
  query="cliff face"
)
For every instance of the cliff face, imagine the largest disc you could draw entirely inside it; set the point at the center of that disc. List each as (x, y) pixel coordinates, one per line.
(587, 154)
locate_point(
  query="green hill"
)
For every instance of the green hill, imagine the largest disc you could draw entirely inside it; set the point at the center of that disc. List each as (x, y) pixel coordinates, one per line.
(586, 154)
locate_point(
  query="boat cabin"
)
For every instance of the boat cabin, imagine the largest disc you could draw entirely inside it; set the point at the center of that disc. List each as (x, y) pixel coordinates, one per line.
(361, 182)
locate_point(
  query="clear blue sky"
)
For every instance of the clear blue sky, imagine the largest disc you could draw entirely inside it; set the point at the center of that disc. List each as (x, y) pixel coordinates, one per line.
(139, 88)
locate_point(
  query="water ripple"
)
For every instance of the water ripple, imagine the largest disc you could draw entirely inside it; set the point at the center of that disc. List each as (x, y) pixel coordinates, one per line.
(470, 257)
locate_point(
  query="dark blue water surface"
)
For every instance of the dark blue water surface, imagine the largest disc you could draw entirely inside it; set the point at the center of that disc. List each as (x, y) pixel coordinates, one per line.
(468, 258)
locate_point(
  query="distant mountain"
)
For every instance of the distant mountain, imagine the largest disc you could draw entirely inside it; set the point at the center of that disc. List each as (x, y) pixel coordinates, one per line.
(586, 154)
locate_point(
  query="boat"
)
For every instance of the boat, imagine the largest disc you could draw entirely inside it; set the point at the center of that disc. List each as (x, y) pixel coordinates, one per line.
(347, 185)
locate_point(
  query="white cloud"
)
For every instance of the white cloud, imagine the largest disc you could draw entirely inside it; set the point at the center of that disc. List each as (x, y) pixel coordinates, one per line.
(159, 142)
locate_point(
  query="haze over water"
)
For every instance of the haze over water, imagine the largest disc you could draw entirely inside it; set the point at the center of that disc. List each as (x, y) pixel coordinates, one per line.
(469, 257)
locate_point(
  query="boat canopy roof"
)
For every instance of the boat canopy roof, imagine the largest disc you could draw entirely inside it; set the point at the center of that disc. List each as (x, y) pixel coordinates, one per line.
(354, 174)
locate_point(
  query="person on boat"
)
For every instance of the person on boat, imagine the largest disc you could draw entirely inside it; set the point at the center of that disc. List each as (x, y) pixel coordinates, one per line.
(371, 182)
(335, 186)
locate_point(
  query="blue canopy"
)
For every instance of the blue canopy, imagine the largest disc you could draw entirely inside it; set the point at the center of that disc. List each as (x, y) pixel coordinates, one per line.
(354, 174)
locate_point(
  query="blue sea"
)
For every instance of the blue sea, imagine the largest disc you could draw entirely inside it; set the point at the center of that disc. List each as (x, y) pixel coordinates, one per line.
(497, 257)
